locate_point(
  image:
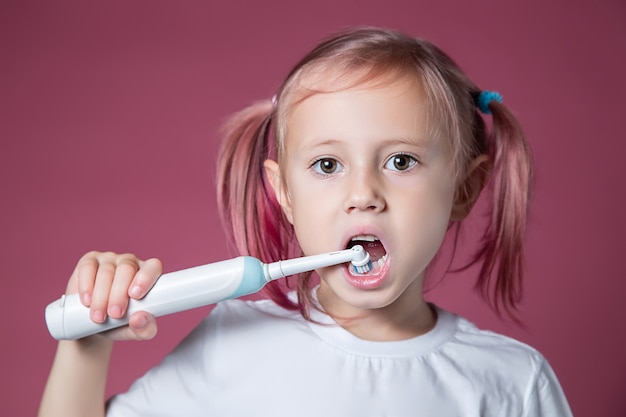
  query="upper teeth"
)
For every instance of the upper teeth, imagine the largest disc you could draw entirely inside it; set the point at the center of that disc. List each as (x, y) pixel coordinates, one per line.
(367, 238)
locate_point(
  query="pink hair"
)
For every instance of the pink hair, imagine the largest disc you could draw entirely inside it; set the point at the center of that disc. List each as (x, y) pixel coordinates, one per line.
(502, 248)
(247, 203)
(245, 198)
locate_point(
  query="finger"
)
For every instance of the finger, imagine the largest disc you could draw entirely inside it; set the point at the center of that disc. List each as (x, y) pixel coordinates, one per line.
(126, 268)
(101, 290)
(148, 273)
(141, 326)
(85, 273)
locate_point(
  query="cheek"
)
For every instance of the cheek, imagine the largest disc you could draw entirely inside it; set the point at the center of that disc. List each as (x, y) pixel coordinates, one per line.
(424, 230)
(431, 209)
(310, 213)
(315, 217)
(312, 227)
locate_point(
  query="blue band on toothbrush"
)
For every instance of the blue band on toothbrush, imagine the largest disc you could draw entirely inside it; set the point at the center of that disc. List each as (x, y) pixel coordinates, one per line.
(253, 278)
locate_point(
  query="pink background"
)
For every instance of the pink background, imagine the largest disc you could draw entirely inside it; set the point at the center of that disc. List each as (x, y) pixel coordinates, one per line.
(108, 124)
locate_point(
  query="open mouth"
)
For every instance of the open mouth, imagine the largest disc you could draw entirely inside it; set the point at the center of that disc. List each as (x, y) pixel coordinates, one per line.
(376, 250)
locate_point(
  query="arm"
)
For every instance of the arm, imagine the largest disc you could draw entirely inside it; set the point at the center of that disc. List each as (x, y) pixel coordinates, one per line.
(105, 282)
(77, 380)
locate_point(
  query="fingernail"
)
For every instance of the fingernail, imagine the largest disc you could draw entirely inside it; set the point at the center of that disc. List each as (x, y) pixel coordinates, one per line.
(135, 291)
(98, 316)
(142, 322)
(115, 311)
(86, 299)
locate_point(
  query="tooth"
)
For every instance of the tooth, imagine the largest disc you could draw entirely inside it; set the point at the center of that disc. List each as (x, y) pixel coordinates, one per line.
(368, 238)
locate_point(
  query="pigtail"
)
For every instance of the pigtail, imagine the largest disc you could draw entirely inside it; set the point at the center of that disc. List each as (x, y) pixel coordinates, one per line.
(502, 248)
(246, 201)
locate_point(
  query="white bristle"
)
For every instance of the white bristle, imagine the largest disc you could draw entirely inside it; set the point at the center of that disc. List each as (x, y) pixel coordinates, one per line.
(364, 269)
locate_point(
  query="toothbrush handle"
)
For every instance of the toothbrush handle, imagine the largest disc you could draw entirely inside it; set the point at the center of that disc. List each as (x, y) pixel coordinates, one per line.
(68, 319)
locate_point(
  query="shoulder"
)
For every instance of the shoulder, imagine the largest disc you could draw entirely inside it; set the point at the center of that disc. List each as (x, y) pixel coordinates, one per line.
(498, 360)
(489, 356)
(239, 319)
(506, 368)
(254, 312)
(478, 342)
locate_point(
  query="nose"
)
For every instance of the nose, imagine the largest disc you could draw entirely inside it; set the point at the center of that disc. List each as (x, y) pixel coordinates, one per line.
(364, 192)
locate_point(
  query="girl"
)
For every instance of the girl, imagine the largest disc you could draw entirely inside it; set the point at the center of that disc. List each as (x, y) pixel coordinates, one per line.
(374, 139)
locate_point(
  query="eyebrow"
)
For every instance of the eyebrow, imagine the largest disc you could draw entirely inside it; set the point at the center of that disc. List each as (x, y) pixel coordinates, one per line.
(420, 143)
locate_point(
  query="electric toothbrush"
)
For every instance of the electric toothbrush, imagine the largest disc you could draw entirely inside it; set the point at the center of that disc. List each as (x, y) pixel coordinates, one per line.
(68, 319)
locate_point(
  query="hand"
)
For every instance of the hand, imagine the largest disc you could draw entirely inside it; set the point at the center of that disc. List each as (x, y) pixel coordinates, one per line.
(105, 282)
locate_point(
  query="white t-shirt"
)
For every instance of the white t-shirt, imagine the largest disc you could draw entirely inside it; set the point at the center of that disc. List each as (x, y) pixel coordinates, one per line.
(257, 359)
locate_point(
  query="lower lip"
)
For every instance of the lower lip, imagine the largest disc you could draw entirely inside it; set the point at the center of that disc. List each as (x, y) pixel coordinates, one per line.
(367, 282)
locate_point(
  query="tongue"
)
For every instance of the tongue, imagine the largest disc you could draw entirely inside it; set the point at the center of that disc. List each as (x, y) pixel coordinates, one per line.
(375, 249)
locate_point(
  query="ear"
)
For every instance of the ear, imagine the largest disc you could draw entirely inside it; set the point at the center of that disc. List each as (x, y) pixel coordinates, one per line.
(272, 171)
(469, 189)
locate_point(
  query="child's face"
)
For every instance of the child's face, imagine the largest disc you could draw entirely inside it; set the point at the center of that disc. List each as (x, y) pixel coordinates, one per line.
(357, 163)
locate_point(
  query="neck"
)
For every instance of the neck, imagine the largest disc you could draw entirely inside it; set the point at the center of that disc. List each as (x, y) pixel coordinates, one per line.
(406, 317)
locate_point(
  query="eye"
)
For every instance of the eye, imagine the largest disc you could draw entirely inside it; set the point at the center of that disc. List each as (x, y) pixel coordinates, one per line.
(400, 162)
(326, 166)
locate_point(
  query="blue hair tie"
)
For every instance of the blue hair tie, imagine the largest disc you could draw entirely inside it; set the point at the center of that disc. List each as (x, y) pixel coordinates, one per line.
(484, 98)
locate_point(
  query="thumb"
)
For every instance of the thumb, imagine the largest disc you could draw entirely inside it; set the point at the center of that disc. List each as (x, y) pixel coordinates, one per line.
(141, 326)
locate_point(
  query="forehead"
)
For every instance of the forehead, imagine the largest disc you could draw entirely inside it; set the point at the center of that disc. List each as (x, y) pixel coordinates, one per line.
(405, 95)
(332, 77)
(361, 114)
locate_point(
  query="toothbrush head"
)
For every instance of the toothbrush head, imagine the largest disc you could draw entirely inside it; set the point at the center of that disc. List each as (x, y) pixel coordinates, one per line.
(360, 260)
